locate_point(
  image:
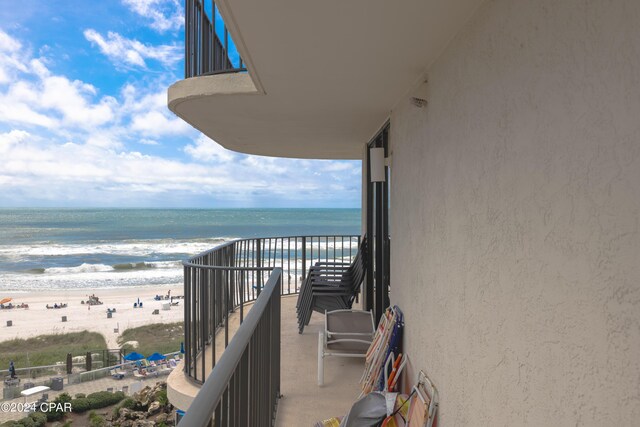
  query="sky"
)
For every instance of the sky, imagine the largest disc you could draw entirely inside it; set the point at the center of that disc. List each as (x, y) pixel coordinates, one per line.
(84, 119)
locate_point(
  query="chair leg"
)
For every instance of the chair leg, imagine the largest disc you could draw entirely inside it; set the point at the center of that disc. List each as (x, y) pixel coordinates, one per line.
(309, 312)
(320, 358)
(302, 302)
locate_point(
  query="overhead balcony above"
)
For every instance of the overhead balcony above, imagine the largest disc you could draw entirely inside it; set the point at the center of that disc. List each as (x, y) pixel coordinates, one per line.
(322, 77)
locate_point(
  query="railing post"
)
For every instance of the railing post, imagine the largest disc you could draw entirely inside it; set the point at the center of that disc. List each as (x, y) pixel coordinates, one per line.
(304, 257)
(259, 264)
(204, 316)
(187, 323)
(232, 276)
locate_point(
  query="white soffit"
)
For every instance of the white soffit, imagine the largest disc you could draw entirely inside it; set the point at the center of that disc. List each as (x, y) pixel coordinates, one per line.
(323, 75)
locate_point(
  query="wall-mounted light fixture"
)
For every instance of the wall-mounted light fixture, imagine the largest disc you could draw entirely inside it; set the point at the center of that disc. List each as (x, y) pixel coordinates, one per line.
(376, 164)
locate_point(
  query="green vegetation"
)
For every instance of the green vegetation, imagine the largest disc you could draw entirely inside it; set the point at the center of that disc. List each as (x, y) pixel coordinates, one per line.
(96, 400)
(49, 349)
(158, 337)
(36, 419)
(96, 420)
(57, 413)
(128, 403)
(162, 397)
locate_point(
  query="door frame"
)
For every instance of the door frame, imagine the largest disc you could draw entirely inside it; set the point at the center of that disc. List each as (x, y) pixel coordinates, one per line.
(376, 295)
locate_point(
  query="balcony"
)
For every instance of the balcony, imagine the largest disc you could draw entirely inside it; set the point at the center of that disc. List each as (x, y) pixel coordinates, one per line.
(321, 79)
(241, 336)
(208, 48)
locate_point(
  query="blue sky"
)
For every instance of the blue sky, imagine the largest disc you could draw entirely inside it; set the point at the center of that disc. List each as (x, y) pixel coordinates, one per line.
(84, 122)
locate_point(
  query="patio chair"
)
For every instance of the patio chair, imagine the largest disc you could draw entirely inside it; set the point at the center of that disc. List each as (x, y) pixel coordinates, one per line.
(139, 374)
(331, 286)
(347, 333)
(116, 375)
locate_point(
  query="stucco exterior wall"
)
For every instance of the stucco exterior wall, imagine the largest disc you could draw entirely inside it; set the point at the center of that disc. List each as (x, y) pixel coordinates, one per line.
(515, 198)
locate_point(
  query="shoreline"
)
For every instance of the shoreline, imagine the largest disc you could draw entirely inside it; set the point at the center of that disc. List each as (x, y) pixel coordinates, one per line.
(38, 320)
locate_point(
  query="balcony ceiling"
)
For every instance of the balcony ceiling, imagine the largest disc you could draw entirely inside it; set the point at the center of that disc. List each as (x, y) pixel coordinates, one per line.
(324, 76)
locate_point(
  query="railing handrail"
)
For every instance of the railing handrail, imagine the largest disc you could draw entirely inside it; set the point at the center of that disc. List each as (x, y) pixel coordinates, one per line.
(246, 239)
(222, 267)
(211, 392)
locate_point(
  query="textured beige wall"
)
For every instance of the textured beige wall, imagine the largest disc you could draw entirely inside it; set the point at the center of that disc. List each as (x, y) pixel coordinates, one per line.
(515, 216)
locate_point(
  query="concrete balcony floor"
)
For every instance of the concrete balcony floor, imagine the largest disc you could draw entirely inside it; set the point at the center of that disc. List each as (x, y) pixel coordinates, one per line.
(303, 401)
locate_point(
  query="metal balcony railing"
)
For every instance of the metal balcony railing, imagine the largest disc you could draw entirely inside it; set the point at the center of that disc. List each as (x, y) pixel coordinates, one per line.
(220, 281)
(209, 49)
(244, 387)
(244, 384)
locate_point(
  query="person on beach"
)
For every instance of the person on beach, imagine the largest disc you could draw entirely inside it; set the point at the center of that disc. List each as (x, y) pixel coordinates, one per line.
(12, 370)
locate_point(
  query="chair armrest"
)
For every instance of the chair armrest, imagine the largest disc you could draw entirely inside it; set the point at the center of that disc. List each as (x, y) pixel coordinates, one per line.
(331, 269)
(331, 273)
(331, 263)
(328, 291)
(324, 283)
(326, 278)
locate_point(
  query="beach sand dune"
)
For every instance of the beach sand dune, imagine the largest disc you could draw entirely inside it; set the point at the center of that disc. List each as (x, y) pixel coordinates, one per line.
(38, 320)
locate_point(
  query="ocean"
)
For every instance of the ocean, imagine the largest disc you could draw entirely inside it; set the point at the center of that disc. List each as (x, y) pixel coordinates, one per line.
(115, 248)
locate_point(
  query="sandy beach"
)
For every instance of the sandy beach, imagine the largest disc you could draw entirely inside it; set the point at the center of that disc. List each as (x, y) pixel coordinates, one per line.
(38, 320)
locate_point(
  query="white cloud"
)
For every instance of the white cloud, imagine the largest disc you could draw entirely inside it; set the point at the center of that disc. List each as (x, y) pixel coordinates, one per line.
(70, 98)
(87, 173)
(8, 43)
(37, 97)
(339, 167)
(14, 111)
(163, 14)
(124, 52)
(149, 113)
(7, 140)
(205, 149)
(11, 53)
(107, 139)
(156, 123)
(52, 100)
(34, 162)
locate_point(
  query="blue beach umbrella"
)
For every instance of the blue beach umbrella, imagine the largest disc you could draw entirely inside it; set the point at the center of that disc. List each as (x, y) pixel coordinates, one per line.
(133, 356)
(155, 356)
(182, 347)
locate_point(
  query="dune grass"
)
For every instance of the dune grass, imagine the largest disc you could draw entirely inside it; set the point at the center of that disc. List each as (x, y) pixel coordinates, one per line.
(49, 349)
(157, 337)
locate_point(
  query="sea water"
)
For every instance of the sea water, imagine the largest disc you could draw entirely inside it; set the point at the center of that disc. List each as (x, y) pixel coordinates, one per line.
(113, 248)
